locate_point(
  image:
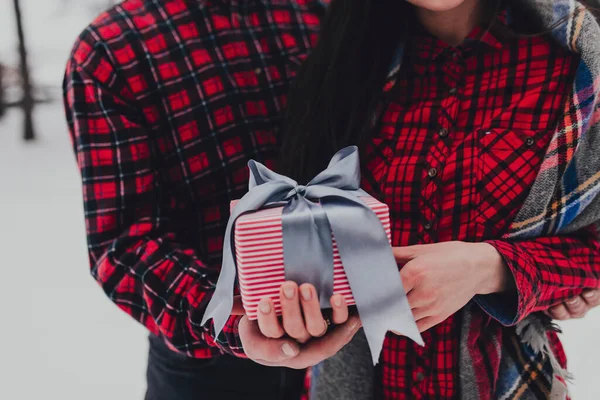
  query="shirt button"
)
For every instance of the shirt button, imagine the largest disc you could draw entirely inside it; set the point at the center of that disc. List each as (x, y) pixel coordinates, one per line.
(258, 71)
(529, 142)
(443, 132)
(453, 91)
(432, 173)
(427, 225)
(420, 376)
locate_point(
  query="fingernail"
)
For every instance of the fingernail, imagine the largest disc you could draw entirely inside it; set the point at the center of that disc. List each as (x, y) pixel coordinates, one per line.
(589, 295)
(265, 306)
(337, 301)
(288, 350)
(289, 292)
(573, 301)
(306, 293)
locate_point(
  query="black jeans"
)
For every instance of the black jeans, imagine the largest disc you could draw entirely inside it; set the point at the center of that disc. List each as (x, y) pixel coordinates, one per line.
(173, 376)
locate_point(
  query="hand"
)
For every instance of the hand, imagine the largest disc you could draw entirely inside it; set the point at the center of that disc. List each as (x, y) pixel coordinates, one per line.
(577, 307)
(307, 342)
(442, 278)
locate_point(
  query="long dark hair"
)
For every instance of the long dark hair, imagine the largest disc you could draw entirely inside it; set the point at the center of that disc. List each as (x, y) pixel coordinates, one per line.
(337, 88)
(333, 99)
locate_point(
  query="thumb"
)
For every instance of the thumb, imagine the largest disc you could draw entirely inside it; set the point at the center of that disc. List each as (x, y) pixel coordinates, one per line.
(238, 307)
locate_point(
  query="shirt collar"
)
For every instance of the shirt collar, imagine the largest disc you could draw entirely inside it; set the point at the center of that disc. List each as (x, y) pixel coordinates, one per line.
(423, 49)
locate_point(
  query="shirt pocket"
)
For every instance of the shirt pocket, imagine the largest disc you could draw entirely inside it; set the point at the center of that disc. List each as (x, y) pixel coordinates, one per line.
(508, 163)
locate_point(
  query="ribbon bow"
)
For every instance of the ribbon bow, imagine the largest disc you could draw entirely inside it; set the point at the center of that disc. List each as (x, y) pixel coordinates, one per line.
(363, 246)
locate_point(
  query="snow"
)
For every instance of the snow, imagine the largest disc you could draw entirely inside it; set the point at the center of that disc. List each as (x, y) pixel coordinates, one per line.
(60, 338)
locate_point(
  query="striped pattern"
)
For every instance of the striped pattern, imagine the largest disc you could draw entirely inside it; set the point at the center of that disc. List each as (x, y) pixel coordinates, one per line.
(259, 256)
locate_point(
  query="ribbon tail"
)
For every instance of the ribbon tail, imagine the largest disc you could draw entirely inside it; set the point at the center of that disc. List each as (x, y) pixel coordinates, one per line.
(395, 317)
(221, 303)
(372, 271)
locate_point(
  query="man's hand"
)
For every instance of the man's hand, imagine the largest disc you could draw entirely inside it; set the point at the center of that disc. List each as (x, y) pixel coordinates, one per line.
(577, 307)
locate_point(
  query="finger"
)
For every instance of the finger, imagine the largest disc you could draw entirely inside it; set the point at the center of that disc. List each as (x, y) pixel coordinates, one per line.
(327, 346)
(405, 254)
(238, 307)
(340, 309)
(427, 323)
(592, 297)
(313, 318)
(559, 312)
(577, 307)
(267, 320)
(293, 322)
(419, 298)
(262, 349)
(420, 313)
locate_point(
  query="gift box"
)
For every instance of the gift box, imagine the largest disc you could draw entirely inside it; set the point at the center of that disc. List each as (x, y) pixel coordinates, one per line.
(258, 241)
(281, 230)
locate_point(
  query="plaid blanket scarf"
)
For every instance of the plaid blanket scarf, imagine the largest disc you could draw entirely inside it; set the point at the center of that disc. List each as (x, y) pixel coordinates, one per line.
(564, 198)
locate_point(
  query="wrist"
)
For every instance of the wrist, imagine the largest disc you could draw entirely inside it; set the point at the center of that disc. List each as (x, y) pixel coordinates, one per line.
(496, 276)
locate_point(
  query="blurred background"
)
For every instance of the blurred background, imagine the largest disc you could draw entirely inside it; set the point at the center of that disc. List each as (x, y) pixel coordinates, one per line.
(60, 338)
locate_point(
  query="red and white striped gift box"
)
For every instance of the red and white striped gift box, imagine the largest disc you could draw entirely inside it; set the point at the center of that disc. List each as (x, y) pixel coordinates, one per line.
(259, 256)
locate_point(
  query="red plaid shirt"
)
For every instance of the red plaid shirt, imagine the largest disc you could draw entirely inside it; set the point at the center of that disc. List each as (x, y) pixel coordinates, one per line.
(168, 99)
(458, 148)
(166, 102)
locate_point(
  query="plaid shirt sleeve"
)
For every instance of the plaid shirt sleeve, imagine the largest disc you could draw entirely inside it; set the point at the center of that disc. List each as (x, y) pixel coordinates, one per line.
(138, 253)
(546, 271)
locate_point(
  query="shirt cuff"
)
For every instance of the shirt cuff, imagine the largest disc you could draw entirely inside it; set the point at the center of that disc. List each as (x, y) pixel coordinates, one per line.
(512, 307)
(228, 341)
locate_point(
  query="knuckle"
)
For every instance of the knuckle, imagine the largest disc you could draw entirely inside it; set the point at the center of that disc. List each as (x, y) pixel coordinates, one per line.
(594, 298)
(576, 307)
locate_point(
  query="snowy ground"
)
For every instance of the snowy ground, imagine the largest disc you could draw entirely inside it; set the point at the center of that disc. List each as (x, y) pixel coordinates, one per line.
(60, 339)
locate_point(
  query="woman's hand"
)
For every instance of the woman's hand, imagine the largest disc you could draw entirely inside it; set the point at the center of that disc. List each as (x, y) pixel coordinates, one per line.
(577, 307)
(306, 340)
(442, 278)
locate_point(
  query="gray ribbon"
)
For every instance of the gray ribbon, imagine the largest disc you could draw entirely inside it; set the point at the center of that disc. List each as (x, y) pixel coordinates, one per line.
(363, 246)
